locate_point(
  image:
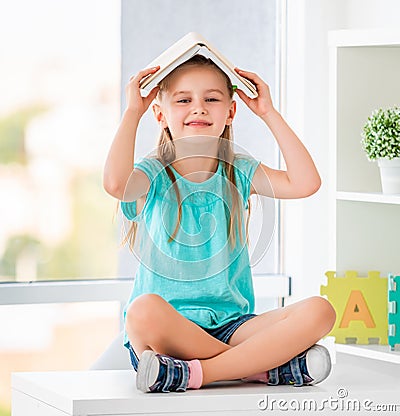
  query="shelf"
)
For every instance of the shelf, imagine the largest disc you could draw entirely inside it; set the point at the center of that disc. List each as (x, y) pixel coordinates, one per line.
(364, 68)
(377, 352)
(372, 37)
(377, 197)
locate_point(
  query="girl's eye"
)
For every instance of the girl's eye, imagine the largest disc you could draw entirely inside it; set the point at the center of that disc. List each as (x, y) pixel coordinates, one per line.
(207, 100)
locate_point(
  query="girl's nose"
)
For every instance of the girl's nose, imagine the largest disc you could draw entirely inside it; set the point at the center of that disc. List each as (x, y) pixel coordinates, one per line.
(199, 111)
(198, 107)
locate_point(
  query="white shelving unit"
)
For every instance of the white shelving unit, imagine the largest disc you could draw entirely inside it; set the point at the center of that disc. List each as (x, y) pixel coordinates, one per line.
(365, 224)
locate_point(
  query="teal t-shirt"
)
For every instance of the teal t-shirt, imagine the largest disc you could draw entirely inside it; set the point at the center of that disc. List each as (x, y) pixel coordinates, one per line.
(199, 272)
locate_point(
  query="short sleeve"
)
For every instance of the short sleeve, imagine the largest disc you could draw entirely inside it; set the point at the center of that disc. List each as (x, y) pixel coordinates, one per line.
(245, 167)
(152, 168)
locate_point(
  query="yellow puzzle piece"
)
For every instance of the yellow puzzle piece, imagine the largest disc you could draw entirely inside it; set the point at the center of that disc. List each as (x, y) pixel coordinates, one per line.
(361, 307)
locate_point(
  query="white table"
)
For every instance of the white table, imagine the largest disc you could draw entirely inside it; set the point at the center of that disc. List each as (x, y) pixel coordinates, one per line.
(113, 393)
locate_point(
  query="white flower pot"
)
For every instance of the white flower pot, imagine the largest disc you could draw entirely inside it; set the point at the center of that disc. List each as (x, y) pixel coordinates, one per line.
(390, 175)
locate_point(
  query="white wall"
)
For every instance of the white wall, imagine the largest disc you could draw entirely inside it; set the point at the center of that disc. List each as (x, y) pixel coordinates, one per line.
(306, 221)
(371, 13)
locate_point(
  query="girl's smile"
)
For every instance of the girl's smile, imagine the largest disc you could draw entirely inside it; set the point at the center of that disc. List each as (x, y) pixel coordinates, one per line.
(198, 123)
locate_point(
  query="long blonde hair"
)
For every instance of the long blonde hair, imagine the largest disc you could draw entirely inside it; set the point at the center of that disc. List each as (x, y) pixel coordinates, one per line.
(166, 155)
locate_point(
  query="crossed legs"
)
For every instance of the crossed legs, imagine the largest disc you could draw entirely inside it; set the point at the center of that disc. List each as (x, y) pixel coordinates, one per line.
(270, 339)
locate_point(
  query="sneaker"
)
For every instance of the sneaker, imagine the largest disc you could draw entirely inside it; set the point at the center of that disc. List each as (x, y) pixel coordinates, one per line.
(161, 373)
(310, 367)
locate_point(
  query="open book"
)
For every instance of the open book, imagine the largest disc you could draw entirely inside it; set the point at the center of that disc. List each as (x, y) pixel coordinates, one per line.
(181, 51)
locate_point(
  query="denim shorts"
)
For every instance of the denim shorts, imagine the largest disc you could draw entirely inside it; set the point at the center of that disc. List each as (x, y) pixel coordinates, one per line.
(222, 333)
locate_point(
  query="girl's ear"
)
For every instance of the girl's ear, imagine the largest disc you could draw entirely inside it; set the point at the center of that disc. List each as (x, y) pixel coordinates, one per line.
(231, 114)
(158, 114)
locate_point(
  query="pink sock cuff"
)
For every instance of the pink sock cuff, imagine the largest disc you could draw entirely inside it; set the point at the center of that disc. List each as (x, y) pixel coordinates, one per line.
(195, 374)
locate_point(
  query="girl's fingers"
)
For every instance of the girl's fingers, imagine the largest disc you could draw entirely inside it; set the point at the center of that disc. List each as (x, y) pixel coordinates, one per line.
(152, 95)
(251, 76)
(144, 73)
(246, 74)
(244, 97)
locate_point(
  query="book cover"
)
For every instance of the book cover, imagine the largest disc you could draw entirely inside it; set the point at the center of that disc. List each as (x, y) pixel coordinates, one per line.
(181, 51)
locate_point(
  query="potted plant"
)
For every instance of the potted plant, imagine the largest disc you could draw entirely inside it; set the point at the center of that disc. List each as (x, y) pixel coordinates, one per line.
(381, 142)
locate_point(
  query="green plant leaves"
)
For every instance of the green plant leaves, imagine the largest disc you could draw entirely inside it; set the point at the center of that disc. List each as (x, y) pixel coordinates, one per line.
(381, 134)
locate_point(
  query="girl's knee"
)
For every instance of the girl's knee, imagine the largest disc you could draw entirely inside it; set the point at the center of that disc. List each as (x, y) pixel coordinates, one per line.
(144, 312)
(322, 312)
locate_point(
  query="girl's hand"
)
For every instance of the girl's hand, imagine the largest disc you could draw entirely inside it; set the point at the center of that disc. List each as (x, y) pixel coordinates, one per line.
(134, 99)
(262, 104)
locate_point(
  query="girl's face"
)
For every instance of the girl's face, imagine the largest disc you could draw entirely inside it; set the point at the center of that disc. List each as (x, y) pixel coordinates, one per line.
(197, 102)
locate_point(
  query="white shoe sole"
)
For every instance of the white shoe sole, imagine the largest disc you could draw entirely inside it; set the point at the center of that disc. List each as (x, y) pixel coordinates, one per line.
(147, 372)
(318, 362)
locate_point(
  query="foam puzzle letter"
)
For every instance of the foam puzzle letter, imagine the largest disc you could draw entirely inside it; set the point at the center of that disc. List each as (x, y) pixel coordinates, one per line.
(361, 307)
(357, 310)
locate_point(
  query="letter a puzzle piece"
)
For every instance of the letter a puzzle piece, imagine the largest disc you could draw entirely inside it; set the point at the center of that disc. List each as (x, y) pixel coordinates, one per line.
(361, 307)
(394, 310)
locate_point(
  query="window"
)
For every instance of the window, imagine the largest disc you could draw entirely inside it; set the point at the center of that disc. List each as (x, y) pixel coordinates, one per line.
(59, 108)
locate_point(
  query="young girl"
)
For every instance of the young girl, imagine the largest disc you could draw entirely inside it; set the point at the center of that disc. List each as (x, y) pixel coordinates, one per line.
(190, 321)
